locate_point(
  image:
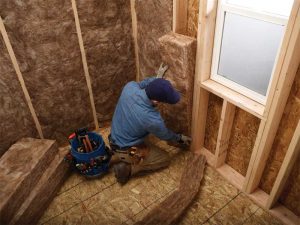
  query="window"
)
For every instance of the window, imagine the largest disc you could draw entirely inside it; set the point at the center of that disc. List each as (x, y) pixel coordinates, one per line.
(247, 41)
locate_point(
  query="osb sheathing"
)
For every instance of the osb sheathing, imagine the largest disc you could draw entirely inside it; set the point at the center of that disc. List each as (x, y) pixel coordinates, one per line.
(291, 194)
(193, 13)
(44, 38)
(212, 122)
(283, 136)
(154, 19)
(242, 139)
(15, 117)
(107, 36)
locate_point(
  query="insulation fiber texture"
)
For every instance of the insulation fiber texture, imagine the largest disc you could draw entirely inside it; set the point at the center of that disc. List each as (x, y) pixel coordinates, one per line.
(16, 120)
(179, 52)
(45, 42)
(107, 35)
(154, 19)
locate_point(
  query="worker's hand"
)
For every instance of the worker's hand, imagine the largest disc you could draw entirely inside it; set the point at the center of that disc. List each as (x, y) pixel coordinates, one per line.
(184, 140)
(162, 70)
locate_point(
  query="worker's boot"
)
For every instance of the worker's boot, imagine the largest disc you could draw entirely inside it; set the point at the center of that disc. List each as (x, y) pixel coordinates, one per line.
(122, 172)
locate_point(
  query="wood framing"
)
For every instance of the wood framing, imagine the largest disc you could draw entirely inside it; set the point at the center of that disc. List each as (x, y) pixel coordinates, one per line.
(227, 116)
(200, 106)
(286, 167)
(234, 97)
(180, 16)
(84, 63)
(20, 77)
(232, 176)
(268, 128)
(134, 33)
(270, 114)
(207, 16)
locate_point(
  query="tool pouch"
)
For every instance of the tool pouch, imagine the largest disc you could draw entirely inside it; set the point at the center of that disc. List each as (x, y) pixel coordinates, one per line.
(132, 155)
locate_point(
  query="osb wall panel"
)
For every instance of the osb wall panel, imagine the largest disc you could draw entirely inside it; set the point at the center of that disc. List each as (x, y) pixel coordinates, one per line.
(107, 36)
(242, 139)
(43, 35)
(179, 52)
(291, 194)
(283, 137)
(212, 122)
(15, 117)
(193, 13)
(154, 19)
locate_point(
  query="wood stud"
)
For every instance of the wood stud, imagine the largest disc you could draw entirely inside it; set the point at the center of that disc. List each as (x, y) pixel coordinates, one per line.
(180, 16)
(270, 115)
(134, 34)
(20, 77)
(227, 116)
(286, 168)
(84, 63)
(268, 128)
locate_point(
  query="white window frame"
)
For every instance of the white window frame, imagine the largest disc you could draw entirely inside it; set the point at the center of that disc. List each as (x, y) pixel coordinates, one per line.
(224, 7)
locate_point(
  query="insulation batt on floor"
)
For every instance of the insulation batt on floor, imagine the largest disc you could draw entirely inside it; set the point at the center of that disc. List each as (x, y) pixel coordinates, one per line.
(61, 74)
(104, 201)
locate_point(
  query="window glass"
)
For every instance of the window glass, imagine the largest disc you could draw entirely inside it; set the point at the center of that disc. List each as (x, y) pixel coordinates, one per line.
(280, 7)
(248, 51)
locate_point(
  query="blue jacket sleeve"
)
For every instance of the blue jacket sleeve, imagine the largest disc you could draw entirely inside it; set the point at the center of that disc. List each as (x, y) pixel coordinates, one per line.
(159, 129)
(144, 83)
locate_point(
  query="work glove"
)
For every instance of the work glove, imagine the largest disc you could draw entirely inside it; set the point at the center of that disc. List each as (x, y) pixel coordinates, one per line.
(184, 140)
(162, 70)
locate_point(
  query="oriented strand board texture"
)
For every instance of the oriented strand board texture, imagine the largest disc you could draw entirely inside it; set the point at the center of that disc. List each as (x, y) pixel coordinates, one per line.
(212, 122)
(290, 196)
(44, 38)
(179, 52)
(283, 137)
(107, 36)
(193, 13)
(15, 117)
(154, 19)
(242, 139)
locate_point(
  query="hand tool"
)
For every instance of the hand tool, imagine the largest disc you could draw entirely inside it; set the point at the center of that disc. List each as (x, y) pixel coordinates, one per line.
(88, 143)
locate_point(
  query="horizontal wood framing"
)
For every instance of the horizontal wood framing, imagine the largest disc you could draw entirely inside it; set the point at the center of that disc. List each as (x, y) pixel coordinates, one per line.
(279, 211)
(234, 97)
(259, 196)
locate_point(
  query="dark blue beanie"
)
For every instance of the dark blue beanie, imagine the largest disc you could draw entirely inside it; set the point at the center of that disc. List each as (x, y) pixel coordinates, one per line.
(162, 90)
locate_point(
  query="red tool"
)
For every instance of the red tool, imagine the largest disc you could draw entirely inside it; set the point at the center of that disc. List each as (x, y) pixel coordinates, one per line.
(88, 143)
(85, 145)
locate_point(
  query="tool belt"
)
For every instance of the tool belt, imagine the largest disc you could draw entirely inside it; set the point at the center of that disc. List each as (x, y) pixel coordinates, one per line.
(133, 155)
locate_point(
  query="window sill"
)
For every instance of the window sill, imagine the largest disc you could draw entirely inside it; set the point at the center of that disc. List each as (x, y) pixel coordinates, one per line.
(234, 97)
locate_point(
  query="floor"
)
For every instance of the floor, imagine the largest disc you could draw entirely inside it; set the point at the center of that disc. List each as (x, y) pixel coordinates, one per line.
(104, 201)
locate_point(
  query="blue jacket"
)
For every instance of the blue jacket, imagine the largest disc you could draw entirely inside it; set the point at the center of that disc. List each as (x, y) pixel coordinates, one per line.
(135, 117)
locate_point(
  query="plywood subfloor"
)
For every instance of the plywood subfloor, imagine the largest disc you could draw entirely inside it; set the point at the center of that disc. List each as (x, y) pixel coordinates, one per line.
(103, 201)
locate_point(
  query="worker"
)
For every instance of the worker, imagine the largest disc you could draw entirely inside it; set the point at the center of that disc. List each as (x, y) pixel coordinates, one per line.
(135, 117)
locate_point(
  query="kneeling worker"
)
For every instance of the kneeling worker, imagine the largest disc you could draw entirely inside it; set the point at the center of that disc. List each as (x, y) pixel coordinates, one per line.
(134, 118)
